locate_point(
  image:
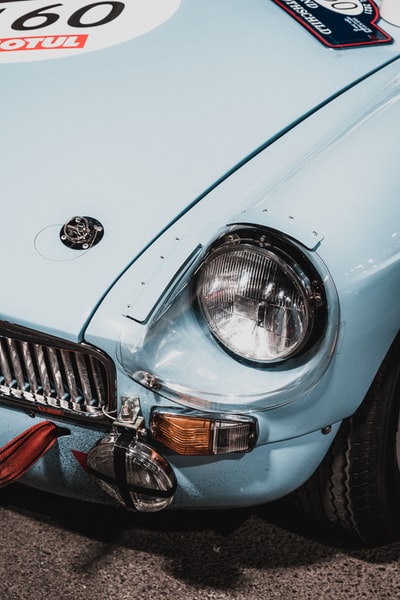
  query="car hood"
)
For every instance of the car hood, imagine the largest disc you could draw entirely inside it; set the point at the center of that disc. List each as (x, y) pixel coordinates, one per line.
(133, 134)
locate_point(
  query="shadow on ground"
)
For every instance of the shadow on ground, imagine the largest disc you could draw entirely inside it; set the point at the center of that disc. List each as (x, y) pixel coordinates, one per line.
(219, 543)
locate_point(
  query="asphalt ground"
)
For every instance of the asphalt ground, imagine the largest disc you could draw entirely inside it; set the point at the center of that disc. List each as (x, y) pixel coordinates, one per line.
(54, 548)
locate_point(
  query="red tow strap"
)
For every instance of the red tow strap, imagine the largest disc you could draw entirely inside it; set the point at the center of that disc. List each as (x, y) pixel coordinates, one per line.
(22, 452)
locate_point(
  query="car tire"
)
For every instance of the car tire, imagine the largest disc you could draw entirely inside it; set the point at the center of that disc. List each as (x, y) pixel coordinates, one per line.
(356, 490)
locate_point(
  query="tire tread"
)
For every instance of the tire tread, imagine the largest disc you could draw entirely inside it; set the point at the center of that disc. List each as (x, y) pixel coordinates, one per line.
(355, 490)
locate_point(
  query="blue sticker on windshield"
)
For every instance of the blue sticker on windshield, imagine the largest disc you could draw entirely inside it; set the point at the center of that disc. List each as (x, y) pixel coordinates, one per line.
(338, 23)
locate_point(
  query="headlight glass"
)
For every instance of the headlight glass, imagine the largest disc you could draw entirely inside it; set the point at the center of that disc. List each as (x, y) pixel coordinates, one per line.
(257, 300)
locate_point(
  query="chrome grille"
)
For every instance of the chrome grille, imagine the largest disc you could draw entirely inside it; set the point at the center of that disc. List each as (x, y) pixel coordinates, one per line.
(43, 371)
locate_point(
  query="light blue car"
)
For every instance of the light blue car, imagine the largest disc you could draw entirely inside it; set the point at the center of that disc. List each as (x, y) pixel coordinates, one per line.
(201, 255)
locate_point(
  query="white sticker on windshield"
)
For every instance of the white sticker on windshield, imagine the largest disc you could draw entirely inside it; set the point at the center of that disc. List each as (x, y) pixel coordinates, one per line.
(39, 29)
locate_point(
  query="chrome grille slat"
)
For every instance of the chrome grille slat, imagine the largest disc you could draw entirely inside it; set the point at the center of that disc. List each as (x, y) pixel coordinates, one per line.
(5, 363)
(74, 393)
(84, 379)
(17, 369)
(56, 377)
(45, 371)
(29, 368)
(42, 369)
(96, 377)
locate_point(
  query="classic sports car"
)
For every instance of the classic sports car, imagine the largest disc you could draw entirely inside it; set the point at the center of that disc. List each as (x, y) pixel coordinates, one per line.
(201, 255)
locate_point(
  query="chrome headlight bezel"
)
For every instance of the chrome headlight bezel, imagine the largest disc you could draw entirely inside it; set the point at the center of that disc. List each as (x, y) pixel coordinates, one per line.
(175, 355)
(254, 272)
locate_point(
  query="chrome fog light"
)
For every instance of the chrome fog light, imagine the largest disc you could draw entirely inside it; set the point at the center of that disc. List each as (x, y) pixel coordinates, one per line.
(132, 472)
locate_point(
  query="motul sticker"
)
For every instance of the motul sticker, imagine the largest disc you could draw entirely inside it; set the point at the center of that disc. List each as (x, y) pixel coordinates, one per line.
(37, 30)
(338, 23)
(43, 43)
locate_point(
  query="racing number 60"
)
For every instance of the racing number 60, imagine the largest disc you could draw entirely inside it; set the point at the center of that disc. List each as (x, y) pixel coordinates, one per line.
(75, 20)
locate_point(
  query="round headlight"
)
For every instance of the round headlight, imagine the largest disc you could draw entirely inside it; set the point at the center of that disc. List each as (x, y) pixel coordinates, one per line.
(257, 299)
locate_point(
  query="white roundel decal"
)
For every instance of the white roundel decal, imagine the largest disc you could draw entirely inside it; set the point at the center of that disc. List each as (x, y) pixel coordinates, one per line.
(343, 7)
(42, 29)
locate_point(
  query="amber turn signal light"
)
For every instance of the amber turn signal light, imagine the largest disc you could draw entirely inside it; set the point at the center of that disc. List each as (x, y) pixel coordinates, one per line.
(202, 435)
